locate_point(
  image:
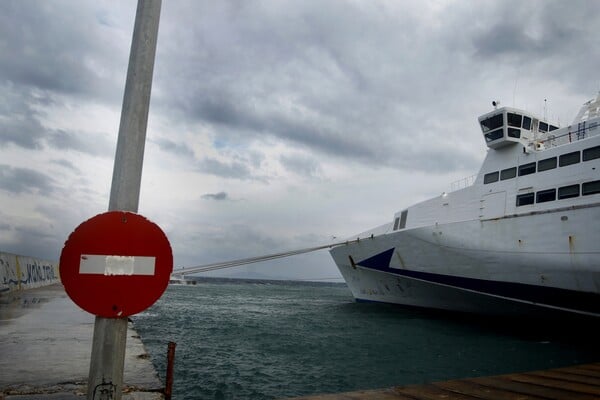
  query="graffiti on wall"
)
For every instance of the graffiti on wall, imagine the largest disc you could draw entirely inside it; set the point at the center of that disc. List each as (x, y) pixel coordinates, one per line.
(19, 272)
(38, 273)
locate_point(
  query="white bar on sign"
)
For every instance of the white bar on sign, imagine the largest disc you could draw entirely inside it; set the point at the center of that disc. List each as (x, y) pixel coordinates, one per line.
(116, 265)
(119, 265)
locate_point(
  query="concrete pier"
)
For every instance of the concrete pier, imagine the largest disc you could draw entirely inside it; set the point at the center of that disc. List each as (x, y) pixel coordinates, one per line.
(45, 348)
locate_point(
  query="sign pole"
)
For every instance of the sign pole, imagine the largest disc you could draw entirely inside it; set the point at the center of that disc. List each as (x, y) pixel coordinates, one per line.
(110, 334)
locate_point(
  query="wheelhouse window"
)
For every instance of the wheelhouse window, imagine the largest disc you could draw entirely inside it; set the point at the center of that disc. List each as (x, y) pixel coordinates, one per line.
(568, 159)
(590, 188)
(527, 169)
(491, 177)
(514, 119)
(508, 173)
(491, 123)
(396, 222)
(567, 192)
(494, 135)
(591, 154)
(525, 199)
(513, 132)
(543, 127)
(526, 123)
(545, 195)
(545, 165)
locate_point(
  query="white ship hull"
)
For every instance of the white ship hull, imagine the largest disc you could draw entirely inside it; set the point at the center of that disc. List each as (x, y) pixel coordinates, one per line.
(510, 244)
(483, 266)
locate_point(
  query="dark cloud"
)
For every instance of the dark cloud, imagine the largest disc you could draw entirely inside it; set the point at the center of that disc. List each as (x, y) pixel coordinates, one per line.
(24, 133)
(178, 149)
(325, 77)
(275, 74)
(529, 32)
(234, 169)
(89, 143)
(54, 50)
(24, 180)
(238, 241)
(19, 118)
(339, 140)
(35, 241)
(506, 38)
(35, 233)
(67, 164)
(335, 78)
(216, 196)
(319, 132)
(222, 109)
(20, 125)
(301, 165)
(344, 80)
(543, 39)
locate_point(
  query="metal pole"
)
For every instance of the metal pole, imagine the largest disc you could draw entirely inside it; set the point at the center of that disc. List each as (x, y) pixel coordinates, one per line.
(127, 172)
(170, 363)
(110, 334)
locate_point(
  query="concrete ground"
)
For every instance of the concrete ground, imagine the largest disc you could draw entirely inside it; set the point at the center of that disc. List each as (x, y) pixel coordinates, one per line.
(45, 347)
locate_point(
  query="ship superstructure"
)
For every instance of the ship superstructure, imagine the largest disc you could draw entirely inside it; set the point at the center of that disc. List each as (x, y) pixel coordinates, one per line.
(523, 238)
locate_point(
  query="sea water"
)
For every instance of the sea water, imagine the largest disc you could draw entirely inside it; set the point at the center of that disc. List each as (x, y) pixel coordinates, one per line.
(266, 339)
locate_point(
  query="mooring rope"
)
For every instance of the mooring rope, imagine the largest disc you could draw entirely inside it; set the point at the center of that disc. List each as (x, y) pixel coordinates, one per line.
(251, 260)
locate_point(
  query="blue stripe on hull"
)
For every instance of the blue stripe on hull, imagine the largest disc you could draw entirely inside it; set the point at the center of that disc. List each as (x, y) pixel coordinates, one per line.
(548, 296)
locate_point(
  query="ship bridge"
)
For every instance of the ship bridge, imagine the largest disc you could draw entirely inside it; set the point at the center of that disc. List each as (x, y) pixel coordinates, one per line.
(507, 125)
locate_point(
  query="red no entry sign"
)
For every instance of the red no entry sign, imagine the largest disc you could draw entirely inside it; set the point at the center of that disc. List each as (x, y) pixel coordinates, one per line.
(116, 264)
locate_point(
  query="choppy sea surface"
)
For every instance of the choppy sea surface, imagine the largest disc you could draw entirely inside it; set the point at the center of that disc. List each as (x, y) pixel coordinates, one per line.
(239, 339)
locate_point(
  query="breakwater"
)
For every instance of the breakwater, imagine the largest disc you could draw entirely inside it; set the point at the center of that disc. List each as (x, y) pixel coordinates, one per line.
(23, 272)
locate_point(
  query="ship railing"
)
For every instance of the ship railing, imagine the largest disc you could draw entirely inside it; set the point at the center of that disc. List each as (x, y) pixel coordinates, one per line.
(463, 183)
(582, 131)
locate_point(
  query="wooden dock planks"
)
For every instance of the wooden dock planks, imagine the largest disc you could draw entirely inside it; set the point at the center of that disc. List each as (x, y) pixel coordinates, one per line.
(580, 382)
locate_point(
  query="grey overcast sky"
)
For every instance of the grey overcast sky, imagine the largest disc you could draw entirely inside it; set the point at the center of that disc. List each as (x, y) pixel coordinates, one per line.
(273, 125)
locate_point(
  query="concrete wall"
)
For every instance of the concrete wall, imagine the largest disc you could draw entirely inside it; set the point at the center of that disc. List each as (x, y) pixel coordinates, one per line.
(21, 272)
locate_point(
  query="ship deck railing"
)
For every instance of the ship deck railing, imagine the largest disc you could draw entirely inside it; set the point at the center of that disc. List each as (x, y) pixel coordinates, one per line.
(463, 183)
(583, 131)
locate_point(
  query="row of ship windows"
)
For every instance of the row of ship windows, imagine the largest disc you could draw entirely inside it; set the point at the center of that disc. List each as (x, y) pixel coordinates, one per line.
(516, 120)
(543, 165)
(565, 192)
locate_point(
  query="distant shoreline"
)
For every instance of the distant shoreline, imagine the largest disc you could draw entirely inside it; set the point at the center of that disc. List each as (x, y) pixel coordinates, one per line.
(207, 279)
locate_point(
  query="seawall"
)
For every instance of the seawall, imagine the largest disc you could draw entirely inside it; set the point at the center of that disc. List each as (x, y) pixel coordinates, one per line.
(22, 272)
